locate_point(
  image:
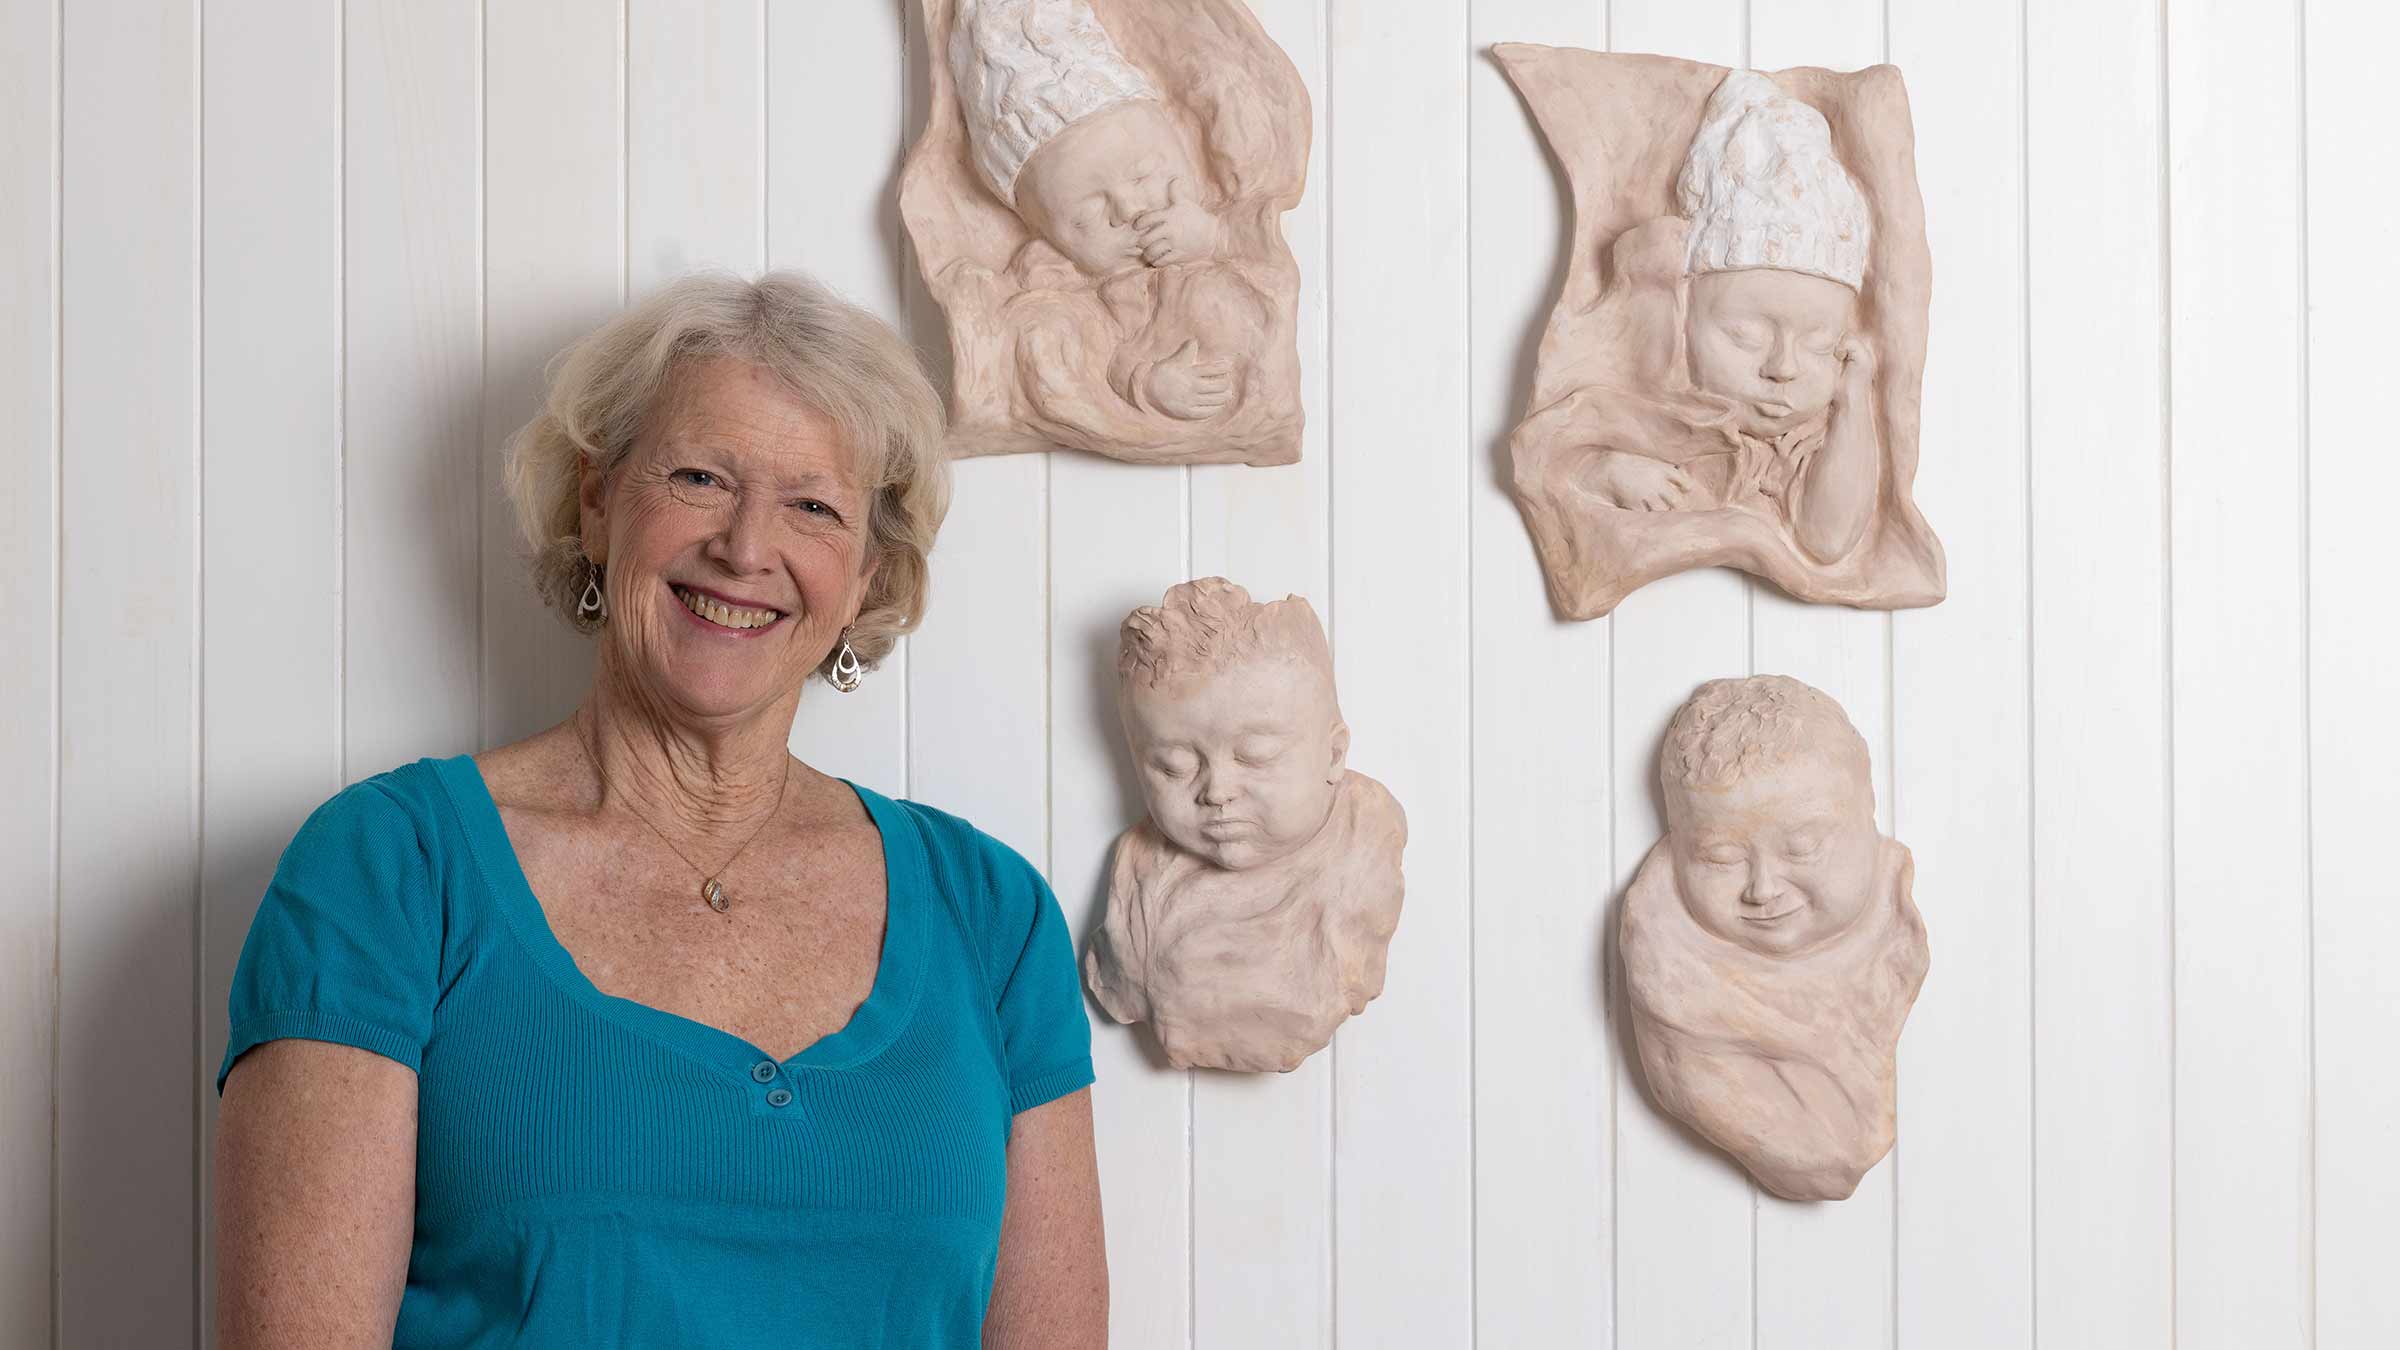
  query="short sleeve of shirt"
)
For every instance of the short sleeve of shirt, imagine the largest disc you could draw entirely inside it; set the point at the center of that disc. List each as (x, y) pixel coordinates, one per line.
(345, 946)
(1029, 959)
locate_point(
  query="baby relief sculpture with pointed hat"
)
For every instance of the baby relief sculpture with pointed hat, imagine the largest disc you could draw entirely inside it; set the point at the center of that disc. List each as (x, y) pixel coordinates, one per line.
(1732, 373)
(1096, 203)
(1772, 947)
(1248, 915)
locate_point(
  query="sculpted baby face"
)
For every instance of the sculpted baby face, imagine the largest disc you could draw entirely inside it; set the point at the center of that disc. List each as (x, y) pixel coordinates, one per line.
(1769, 340)
(1238, 767)
(1090, 189)
(1781, 859)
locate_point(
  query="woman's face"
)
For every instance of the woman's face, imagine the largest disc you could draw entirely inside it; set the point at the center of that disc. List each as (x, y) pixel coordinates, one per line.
(1768, 339)
(1239, 768)
(734, 538)
(1780, 860)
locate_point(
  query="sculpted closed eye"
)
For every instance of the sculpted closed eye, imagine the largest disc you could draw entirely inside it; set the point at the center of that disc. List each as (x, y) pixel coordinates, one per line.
(1721, 855)
(1173, 766)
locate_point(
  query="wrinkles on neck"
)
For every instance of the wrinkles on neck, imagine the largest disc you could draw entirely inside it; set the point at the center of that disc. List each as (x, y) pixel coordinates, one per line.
(705, 779)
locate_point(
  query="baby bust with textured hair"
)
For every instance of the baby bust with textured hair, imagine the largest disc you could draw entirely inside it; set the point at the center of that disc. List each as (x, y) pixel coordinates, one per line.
(1247, 916)
(1229, 706)
(1771, 804)
(1771, 946)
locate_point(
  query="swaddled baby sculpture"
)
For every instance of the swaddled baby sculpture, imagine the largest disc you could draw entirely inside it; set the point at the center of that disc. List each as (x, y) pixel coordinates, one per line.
(1732, 373)
(1248, 915)
(1771, 948)
(1096, 203)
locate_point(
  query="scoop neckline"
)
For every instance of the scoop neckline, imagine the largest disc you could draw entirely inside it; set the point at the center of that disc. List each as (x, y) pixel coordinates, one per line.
(872, 1027)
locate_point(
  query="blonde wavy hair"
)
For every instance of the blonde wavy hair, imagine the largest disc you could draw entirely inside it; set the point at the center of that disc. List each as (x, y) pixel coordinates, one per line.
(835, 357)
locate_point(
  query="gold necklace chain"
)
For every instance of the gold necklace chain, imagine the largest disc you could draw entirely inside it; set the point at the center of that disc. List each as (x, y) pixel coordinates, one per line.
(711, 889)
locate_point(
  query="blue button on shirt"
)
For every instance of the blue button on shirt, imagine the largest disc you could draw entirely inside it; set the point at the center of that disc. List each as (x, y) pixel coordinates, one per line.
(594, 1171)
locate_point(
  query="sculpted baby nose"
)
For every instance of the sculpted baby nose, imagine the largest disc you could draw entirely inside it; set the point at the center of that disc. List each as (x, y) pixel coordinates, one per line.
(1780, 366)
(1764, 884)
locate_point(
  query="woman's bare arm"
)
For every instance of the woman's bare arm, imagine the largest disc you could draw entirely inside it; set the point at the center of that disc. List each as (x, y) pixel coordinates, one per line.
(1051, 1289)
(314, 1197)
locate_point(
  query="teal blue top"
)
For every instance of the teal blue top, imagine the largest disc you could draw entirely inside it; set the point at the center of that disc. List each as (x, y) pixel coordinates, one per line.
(592, 1171)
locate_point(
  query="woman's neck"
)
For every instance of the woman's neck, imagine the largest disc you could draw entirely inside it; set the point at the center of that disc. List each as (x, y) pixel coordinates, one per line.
(696, 778)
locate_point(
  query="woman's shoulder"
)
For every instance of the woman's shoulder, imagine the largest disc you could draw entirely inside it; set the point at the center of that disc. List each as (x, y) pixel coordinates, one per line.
(962, 854)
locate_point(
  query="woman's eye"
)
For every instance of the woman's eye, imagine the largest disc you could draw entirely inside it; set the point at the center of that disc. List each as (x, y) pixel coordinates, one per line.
(691, 477)
(813, 507)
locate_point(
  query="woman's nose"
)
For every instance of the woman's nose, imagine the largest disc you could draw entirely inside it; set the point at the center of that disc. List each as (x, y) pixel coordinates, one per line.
(742, 543)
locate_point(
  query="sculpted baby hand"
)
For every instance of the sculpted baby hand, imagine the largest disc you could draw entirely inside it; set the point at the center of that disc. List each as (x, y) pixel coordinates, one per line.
(1182, 231)
(1188, 386)
(1635, 482)
(1858, 371)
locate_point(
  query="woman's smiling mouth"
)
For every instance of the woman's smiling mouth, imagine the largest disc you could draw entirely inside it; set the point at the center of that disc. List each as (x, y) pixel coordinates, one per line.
(715, 614)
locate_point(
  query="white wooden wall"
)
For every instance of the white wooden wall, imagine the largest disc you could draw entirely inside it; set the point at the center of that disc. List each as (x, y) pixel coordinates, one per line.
(278, 275)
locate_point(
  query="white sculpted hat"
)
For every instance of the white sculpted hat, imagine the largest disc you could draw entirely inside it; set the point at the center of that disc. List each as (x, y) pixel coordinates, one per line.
(1762, 188)
(1026, 71)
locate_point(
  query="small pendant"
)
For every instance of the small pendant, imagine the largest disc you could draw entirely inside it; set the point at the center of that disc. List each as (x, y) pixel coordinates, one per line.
(714, 894)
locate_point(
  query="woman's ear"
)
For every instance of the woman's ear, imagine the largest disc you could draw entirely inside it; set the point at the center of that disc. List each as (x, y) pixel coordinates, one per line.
(1340, 763)
(591, 494)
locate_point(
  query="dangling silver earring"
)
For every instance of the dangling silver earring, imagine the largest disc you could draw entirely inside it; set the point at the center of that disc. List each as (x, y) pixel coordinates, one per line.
(847, 673)
(593, 601)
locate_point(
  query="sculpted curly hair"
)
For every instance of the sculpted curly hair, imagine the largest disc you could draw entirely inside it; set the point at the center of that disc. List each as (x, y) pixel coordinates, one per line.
(1211, 625)
(1729, 728)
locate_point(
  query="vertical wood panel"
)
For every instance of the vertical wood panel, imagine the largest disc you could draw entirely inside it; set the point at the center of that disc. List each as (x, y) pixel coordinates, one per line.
(1262, 1224)
(1396, 135)
(1824, 1272)
(2353, 676)
(1961, 797)
(271, 278)
(2353, 691)
(2239, 645)
(695, 120)
(1132, 515)
(831, 212)
(2103, 999)
(29, 618)
(1684, 1222)
(553, 270)
(412, 458)
(1544, 1077)
(128, 1037)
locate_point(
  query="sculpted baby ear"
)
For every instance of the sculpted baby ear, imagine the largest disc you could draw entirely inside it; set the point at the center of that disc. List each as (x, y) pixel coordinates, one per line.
(1340, 760)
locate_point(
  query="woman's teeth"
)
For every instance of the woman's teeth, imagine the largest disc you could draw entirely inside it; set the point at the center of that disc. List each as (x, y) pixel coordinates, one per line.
(724, 616)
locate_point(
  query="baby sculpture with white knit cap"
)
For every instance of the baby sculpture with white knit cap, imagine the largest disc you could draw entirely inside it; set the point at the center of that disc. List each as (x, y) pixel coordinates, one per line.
(1732, 374)
(1096, 203)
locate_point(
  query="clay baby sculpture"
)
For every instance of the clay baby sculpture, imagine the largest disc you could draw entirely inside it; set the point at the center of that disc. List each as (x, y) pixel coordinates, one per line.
(1096, 204)
(1732, 373)
(1248, 915)
(1771, 947)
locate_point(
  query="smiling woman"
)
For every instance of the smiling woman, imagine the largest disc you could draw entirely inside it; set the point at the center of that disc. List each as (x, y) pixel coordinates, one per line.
(591, 1038)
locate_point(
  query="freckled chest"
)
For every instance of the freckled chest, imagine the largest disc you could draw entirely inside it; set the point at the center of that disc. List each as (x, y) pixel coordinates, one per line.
(786, 966)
